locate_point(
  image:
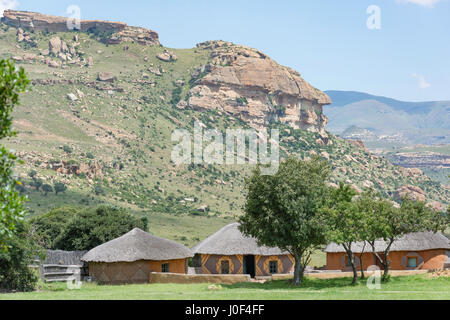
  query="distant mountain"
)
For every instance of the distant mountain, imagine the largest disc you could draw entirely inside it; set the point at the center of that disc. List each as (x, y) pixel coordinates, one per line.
(343, 98)
(391, 120)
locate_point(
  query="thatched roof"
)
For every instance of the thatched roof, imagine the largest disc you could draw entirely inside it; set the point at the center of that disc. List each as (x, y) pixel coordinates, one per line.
(137, 245)
(230, 241)
(418, 241)
(64, 257)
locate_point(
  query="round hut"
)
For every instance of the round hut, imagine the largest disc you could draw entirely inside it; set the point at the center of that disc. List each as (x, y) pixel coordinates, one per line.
(132, 257)
(420, 250)
(228, 251)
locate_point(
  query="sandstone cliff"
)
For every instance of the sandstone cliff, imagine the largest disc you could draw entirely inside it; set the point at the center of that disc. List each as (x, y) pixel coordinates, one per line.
(246, 83)
(117, 31)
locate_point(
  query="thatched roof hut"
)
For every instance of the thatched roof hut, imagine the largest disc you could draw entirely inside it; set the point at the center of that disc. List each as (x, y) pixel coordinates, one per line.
(230, 241)
(229, 251)
(132, 257)
(137, 245)
(419, 241)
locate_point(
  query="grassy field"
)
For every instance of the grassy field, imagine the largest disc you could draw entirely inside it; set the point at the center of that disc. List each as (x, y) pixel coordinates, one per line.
(409, 287)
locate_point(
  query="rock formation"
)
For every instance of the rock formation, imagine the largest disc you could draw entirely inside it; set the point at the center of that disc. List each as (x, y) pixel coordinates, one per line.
(118, 31)
(410, 192)
(246, 83)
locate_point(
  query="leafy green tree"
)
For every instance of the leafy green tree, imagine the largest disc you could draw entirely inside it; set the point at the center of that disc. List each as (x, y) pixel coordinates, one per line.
(15, 273)
(32, 174)
(59, 187)
(67, 149)
(47, 188)
(94, 226)
(50, 225)
(344, 222)
(37, 183)
(283, 210)
(12, 82)
(385, 221)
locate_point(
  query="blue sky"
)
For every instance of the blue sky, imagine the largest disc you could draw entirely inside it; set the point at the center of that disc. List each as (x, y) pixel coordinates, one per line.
(327, 41)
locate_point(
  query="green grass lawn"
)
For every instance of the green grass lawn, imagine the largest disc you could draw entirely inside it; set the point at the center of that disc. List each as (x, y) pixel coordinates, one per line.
(408, 287)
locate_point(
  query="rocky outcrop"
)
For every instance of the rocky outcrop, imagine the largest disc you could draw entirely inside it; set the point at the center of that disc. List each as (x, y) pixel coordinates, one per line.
(118, 31)
(167, 56)
(137, 35)
(410, 192)
(246, 83)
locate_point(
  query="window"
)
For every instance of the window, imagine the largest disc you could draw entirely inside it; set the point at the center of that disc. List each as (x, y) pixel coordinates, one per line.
(225, 267)
(412, 262)
(165, 267)
(348, 261)
(273, 267)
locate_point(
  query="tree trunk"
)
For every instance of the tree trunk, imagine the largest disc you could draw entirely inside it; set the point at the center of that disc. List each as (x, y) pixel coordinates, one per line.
(351, 256)
(386, 261)
(298, 271)
(361, 261)
(377, 257)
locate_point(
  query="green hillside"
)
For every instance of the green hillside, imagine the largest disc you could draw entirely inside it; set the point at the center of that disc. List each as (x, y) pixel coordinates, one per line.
(113, 143)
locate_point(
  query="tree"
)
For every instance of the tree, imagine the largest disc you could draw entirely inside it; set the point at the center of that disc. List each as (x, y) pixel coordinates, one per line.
(37, 183)
(60, 187)
(344, 222)
(15, 273)
(47, 188)
(283, 210)
(50, 225)
(387, 222)
(32, 174)
(12, 83)
(94, 226)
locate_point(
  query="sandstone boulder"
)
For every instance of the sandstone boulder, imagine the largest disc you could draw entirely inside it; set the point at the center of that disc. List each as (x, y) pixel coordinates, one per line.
(182, 105)
(105, 77)
(55, 45)
(410, 192)
(155, 71)
(167, 56)
(53, 64)
(72, 97)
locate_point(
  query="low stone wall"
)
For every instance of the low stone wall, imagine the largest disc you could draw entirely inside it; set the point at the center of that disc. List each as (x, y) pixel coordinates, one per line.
(338, 274)
(157, 277)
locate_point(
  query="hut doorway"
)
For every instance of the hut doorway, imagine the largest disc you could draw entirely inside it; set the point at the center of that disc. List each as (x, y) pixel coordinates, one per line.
(249, 265)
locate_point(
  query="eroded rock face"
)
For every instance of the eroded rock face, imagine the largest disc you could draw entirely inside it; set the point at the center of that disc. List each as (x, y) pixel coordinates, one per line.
(246, 83)
(119, 31)
(410, 192)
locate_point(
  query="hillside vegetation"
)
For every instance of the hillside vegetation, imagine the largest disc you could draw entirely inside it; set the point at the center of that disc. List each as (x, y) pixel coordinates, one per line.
(110, 142)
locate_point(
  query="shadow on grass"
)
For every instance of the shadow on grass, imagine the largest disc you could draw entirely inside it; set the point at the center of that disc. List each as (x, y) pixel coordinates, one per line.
(307, 284)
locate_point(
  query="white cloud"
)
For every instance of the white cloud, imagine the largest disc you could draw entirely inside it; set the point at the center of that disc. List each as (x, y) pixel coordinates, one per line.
(423, 84)
(7, 4)
(424, 3)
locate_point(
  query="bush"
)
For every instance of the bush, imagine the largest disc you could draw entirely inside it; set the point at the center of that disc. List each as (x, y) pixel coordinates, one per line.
(50, 225)
(90, 227)
(60, 187)
(98, 190)
(15, 273)
(47, 188)
(67, 149)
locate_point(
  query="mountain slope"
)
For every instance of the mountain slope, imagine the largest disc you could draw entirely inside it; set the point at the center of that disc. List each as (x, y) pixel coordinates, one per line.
(390, 120)
(101, 122)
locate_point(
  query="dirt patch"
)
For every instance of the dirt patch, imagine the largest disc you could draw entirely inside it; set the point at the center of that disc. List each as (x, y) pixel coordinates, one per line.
(25, 127)
(439, 273)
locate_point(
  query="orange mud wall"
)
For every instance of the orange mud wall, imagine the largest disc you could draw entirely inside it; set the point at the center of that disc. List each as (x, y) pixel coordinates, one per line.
(428, 259)
(132, 272)
(211, 264)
